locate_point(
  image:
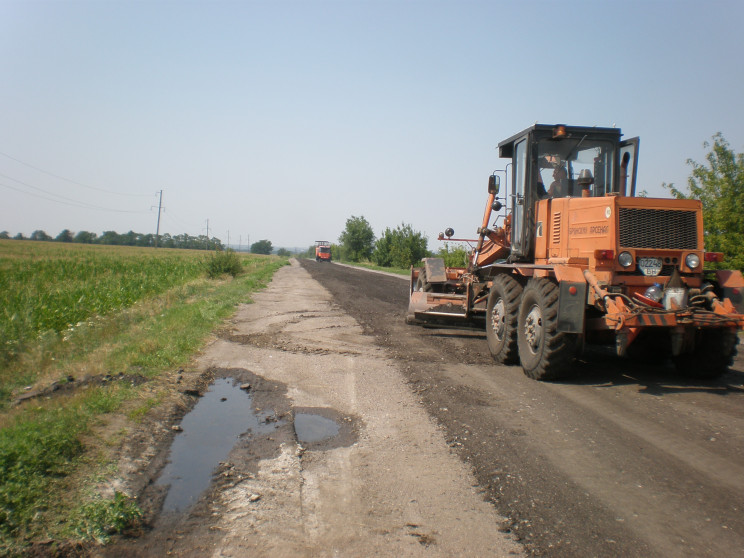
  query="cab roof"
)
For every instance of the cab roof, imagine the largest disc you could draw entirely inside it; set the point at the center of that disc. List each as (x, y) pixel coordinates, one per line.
(506, 147)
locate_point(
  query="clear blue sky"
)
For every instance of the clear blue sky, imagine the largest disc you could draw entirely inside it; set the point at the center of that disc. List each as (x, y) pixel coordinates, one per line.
(280, 119)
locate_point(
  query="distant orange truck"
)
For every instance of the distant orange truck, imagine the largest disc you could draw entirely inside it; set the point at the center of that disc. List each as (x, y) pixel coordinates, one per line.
(322, 251)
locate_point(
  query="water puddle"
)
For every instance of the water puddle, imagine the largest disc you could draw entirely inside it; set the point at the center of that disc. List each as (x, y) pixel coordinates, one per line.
(208, 434)
(314, 428)
(321, 428)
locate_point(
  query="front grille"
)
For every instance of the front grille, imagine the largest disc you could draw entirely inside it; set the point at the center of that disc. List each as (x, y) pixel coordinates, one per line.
(660, 229)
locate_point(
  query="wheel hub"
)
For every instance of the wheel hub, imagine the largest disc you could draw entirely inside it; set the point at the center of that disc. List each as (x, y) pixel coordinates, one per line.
(533, 330)
(497, 319)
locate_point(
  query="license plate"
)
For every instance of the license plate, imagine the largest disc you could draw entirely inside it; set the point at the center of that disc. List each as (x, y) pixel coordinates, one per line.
(650, 267)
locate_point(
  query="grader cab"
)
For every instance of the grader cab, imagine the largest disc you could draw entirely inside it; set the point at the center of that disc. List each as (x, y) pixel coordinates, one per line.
(579, 259)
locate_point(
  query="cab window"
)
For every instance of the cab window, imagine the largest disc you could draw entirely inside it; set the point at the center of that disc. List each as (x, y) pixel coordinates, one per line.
(574, 167)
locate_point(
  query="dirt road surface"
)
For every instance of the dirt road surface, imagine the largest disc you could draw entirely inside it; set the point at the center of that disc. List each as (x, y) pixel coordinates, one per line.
(378, 479)
(626, 460)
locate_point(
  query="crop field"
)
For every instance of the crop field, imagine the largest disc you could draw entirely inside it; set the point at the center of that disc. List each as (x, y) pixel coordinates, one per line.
(46, 287)
(72, 317)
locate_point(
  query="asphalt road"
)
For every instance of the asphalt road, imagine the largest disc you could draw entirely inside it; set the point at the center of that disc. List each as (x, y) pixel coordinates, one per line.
(624, 460)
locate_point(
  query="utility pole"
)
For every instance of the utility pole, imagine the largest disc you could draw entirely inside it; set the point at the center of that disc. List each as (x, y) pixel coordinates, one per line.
(207, 234)
(228, 238)
(157, 230)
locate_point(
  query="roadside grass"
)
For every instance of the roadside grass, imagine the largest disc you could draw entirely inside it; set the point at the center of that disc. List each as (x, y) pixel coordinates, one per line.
(49, 448)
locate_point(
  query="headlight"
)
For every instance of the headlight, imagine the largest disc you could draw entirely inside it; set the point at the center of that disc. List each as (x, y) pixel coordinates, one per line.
(625, 259)
(692, 261)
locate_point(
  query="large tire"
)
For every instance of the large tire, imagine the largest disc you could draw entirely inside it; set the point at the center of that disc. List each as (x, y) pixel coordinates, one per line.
(502, 314)
(713, 354)
(545, 353)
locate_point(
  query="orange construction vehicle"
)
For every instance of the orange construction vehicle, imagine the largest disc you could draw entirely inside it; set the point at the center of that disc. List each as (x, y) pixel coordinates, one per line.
(580, 259)
(322, 251)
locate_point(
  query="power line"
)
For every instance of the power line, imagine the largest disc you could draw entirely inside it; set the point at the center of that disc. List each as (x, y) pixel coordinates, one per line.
(70, 180)
(71, 203)
(175, 220)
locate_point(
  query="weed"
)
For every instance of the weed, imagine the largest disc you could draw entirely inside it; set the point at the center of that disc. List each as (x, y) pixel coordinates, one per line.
(99, 519)
(222, 263)
(33, 452)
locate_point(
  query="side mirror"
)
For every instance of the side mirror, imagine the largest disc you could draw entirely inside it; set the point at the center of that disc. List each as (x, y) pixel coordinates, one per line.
(493, 184)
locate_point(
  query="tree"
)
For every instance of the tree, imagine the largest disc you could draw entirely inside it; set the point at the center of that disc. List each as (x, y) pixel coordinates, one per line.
(357, 240)
(262, 247)
(40, 235)
(65, 236)
(719, 185)
(110, 238)
(454, 255)
(4, 235)
(402, 247)
(283, 252)
(85, 237)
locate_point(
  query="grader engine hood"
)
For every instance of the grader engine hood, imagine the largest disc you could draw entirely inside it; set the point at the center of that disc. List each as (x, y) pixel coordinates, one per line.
(654, 236)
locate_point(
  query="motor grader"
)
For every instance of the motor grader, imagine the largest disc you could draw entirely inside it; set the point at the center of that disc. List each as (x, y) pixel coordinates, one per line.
(579, 259)
(322, 251)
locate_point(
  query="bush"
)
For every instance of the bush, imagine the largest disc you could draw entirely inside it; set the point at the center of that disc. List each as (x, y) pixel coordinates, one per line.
(402, 247)
(221, 263)
(455, 256)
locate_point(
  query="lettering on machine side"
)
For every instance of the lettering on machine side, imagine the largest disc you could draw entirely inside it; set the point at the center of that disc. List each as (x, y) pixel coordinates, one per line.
(594, 230)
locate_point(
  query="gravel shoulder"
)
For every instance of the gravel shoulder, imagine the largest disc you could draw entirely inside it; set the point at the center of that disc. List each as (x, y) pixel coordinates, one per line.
(387, 484)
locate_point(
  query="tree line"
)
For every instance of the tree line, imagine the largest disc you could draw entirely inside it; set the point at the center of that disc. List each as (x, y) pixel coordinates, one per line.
(185, 241)
(400, 247)
(132, 238)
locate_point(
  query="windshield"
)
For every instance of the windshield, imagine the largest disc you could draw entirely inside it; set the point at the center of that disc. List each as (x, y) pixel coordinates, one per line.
(574, 167)
(324, 250)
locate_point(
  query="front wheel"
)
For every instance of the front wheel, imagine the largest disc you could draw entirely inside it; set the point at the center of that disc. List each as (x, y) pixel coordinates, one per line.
(545, 352)
(502, 312)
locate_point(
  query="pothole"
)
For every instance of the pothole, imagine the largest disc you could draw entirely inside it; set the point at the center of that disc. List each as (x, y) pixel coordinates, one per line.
(207, 434)
(314, 428)
(319, 428)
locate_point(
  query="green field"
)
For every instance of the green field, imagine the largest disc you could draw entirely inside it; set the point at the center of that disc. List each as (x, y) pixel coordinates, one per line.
(47, 287)
(71, 311)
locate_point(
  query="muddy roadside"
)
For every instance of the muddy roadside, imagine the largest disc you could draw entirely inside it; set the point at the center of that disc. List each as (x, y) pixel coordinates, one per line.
(338, 457)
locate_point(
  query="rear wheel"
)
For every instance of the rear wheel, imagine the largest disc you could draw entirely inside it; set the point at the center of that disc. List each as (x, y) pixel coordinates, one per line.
(502, 313)
(713, 353)
(545, 352)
